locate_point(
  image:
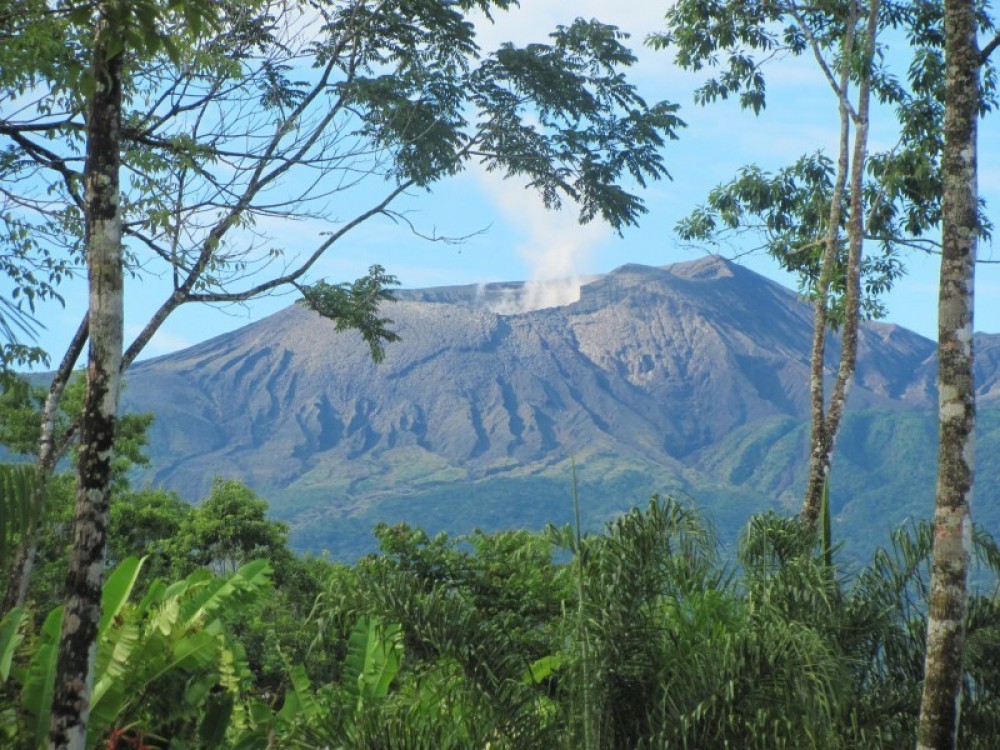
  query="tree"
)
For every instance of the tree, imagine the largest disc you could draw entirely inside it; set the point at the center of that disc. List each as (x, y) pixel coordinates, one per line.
(29, 265)
(105, 266)
(146, 523)
(169, 666)
(816, 214)
(262, 119)
(231, 528)
(939, 707)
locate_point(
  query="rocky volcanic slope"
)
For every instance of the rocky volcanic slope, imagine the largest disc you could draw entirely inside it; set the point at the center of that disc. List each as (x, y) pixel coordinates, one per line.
(689, 378)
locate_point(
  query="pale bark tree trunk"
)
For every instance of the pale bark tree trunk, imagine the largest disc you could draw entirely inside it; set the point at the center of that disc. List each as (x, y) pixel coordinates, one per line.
(826, 419)
(77, 646)
(820, 443)
(939, 707)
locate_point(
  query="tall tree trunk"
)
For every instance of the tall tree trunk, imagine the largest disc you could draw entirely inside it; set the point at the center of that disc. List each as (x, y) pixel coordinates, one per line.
(939, 707)
(77, 645)
(826, 420)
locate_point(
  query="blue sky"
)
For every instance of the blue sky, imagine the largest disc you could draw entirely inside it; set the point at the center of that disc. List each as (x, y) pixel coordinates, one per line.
(514, 237)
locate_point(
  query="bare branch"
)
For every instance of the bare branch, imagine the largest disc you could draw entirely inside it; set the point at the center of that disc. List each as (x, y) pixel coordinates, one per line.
(839, 88)
(433, 236)
(988, 49)
(295, 275)
(49, 449)
(46, 158)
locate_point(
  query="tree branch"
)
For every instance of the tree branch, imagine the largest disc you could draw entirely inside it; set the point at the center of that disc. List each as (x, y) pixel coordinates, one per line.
(840, 89)
(988, 49)
(53, 161)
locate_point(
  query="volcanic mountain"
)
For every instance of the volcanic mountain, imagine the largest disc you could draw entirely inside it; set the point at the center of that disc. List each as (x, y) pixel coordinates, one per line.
(690, 378)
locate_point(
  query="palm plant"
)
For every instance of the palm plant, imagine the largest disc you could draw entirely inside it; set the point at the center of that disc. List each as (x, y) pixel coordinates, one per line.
(682, 654)
(22, 506)
(19, 506)
(464, 683)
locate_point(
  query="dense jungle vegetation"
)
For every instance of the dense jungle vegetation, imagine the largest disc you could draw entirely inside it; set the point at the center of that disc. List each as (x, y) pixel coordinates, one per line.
(646, 635)
(152, 138)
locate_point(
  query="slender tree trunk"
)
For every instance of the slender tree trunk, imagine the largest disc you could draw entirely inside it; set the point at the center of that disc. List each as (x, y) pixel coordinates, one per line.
(78, 643)
(820, 443)
(824, 434)
(939, 707)
(20, 574)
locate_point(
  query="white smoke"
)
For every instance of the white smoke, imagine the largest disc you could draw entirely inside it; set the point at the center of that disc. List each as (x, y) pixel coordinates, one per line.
(536, 295)
(556, 248)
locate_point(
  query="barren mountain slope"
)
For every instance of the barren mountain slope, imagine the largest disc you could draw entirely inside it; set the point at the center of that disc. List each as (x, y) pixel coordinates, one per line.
(648, 374)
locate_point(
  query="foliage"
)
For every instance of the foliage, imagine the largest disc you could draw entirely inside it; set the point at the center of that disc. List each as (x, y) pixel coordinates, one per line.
(230, 528)
(21, 403)
(356, 306)
(440, 642)
(378, 98)
(20, 409)
(168, 669)
(790, 209)
(733, 42)
(475, 614)
(22, 504)
(681, 650)
(20, 406)
(148, 523)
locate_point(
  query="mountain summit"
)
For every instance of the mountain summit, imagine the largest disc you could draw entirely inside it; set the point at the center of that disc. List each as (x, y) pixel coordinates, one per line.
(655, 378)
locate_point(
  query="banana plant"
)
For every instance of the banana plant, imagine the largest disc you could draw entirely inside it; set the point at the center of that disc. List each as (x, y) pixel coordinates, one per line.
(374, 656)
(10, 638)
(330, 715)
(166, 665)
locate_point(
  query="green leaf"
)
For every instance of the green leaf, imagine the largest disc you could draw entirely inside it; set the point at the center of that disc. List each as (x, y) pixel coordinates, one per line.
(300, 702)
(244, 585)
(117, 590)
(826, 536)
(542, 669)
(374, 657)
(112, 673)
(212, 730)
(81, 15)
(40, 681)
(356, 306)
(10, 639)
(172, 50)
(117, 642)
(193, 18)
(154, 595)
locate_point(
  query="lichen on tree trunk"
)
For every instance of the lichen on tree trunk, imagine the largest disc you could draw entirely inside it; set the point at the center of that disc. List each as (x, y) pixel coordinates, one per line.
(77, 646)
(939, 708)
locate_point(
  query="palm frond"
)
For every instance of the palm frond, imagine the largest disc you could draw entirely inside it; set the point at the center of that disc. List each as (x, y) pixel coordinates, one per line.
(21, 505)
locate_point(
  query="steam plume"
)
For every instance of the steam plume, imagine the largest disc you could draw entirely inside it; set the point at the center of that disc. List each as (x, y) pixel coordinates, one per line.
(556, 248)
